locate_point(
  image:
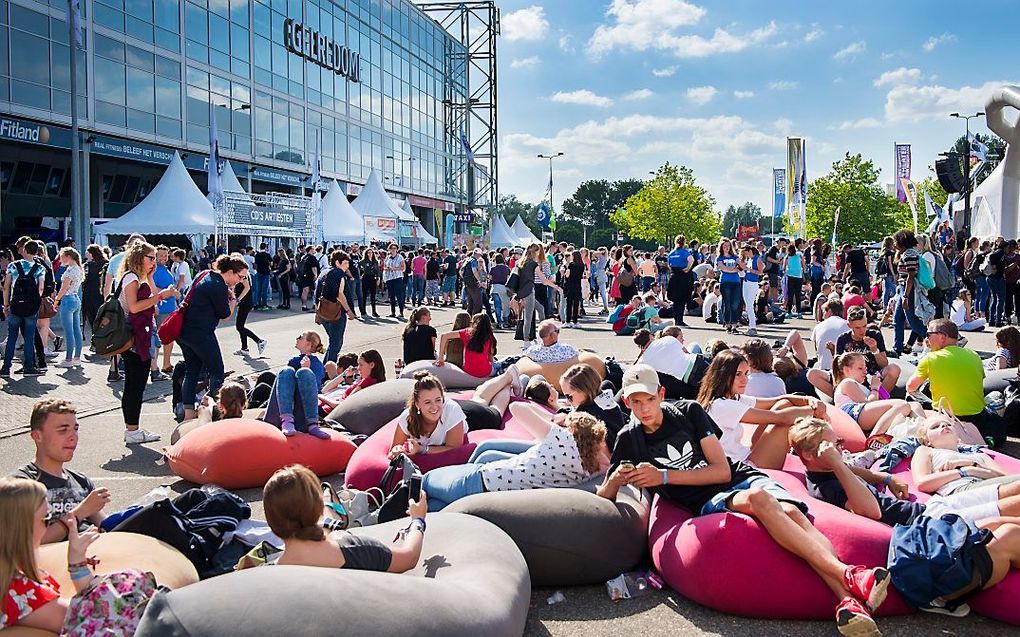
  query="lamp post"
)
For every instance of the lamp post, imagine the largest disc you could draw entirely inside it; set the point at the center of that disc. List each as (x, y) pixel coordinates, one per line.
(551, 158)
(966, 172)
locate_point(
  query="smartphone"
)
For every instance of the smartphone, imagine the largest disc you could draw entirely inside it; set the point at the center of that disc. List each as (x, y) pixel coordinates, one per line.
(627, 466)
(414, 487)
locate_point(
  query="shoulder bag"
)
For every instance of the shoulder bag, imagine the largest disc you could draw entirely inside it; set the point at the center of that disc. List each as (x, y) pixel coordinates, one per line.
(170, 330)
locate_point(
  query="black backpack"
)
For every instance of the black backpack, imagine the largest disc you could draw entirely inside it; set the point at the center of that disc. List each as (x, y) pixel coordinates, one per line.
(467, 274)
(25, 298)
(111, 333)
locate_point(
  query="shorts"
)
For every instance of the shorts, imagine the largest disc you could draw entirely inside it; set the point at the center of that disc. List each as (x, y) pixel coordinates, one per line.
(852, 409)
(449, 284)
(773, 279)
(971, 505)
(720, 502)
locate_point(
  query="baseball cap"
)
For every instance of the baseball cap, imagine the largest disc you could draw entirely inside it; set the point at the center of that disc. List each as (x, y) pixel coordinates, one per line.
(640, 379)
(478, 251)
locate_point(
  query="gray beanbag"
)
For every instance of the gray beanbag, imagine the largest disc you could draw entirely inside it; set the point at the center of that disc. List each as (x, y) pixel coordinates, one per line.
(907, 369)
(472, 580)
(569, 537)
(995, 380)
(366, 411)
(451, 376)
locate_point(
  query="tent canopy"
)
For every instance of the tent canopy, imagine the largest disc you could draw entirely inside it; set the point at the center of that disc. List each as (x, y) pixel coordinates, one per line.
(174, 206)
(522, 232)
(341, 223)
(374, 202)
(502, 236)
(229, 180)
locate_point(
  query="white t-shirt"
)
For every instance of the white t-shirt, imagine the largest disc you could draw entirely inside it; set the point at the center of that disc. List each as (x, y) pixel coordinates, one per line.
(666, 354)
(451, 418)
(182, 274)
(553, 462)
(708, 307)
(827, 332)
(727, 412)
(128, 278)
(250, 260)
(959, 313)
(763, 385)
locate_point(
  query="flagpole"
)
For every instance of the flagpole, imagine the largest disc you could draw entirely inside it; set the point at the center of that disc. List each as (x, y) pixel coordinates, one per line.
(79, 226)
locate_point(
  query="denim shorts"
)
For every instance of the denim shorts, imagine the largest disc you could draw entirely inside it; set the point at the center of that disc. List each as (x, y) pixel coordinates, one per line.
(720, 502)
(853, 410)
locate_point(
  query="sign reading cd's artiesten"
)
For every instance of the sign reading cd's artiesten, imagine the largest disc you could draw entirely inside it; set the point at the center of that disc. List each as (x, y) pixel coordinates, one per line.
(311, 45)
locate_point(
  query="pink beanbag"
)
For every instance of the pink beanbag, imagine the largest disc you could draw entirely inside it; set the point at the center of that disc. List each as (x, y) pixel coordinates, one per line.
(239, 453)
(727, 562)
(854, 439)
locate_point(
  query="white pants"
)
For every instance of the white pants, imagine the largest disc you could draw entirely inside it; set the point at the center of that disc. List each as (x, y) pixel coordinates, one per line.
(750, 291)
(972, 504)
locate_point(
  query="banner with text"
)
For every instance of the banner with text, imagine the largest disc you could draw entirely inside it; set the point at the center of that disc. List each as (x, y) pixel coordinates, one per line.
(902, 152)
(796, 184)
(779, 192)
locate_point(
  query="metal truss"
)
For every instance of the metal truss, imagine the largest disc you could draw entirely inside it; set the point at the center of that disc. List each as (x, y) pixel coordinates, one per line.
(472, 109)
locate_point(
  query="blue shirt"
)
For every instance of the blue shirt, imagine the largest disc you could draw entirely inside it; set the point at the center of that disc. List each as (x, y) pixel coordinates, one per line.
(753, 277)
(795, 266)
(678, 258)
(162, 279)
(316, 366)
(730, 262)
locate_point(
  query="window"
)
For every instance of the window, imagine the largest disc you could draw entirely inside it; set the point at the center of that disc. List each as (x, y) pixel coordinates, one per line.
(168, 98)
(30, 58)
(19, 183)
(109, 81)
(37, 183)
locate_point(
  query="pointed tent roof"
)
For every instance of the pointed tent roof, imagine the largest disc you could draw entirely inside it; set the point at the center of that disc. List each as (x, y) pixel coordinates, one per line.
(229, 180)
(521, 230)
(174, 206)
(424, 236)
(341, 223)
(374, 202)
(502, 236)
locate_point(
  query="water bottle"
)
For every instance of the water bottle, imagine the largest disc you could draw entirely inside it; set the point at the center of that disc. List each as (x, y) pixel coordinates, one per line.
(398, 366)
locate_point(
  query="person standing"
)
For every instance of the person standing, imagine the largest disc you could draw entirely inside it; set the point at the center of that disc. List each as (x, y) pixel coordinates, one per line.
(245, 304)
(908, 265)
(68, 302)
(181, 270)
(600, 274)
(681, 278)
(393, 277)
(728, 265)
(418, 265)
(263, 273)
(369, 281)
(572, 287)
(92, 287)
(628, 265)
(283, 277)
(309, 273)
(754, 268)
(793, 265)
(997, 283)
(163, 279)
(472, 277)
(23, 289)
(332, 286)
(498, 276)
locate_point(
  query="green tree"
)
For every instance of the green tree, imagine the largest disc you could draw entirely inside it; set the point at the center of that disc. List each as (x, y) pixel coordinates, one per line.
(510, 207)
(746, 214)
(589, 208)
(672, 203)
(867, 213)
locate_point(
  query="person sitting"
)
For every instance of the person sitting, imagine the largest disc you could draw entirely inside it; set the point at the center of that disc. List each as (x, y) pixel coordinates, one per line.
(710, 305)
(963, 315)
(833, 326)
(648, 316)
(1007, 349)
(621, 317)
(854, 299)
(548, 348)
(479, 346)
(53, 427)
(818, 303)
(419, 337)
(673, 449)
(301, 379)
(557, 457)
(341, 374)
(431, 423)
(296, 512)
(680, 370)
(588, 393)
(861, 401)
(371, 370)
(454, 351)
(231, 403)
(766, 310)
(867, 340)
(762, 381)
(723, 397)
(956, 375)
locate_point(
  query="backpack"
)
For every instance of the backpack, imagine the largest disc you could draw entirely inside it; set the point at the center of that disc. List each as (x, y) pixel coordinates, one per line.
(111, 334)
(944, 279)
(467, 274)
(25, 298)
(933, 558)
(973, 270)
(987, 268)
(925, 278)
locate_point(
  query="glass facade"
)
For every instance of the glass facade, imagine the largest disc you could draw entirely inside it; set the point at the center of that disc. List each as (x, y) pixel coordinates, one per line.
(151, 67)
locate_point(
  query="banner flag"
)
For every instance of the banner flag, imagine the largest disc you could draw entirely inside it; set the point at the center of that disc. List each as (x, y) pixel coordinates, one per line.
(74, 19)
(910, 192)
(466, 145)
(549, 221)
(978, 150)
(316, 180)
(796, 170)
(835, 224)
(937, 213)
(779, 192)
(214, 168)
(902, 153)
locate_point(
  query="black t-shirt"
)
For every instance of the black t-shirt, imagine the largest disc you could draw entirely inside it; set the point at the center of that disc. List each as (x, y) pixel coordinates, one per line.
(995, 258)
(846, 343)
(858, 261)
(63, 494)
(451, 265)
(432, 269)
(575, 274)
(263, 263)
(418, 344)
(677, 445)
(245, 302)
(308, 266)
(662, 263)
(825, 486)
(773, 253)
(605, 408)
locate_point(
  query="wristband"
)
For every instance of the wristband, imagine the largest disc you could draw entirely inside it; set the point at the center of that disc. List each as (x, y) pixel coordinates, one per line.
(425, 448)
(79, 574)
(419, 523)
(963, 472)
(665, 476)
(888, 479)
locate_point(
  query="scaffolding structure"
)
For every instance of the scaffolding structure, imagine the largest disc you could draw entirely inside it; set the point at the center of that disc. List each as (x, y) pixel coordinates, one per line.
(471, 112)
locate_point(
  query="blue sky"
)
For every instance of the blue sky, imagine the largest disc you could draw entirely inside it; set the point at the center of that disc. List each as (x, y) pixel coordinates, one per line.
(622, 86)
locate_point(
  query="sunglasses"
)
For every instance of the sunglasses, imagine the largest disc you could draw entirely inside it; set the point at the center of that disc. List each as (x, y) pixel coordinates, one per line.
(150, 257)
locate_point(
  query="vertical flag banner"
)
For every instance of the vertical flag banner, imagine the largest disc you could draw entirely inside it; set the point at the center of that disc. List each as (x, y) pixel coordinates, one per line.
(910, 193)
(835, 224)
(902, 153)
(796, 170)
(978, 150)
(545, 214)
(316, 183)
(215, 184)
(466, 145)
(779, 192)
(74, 19)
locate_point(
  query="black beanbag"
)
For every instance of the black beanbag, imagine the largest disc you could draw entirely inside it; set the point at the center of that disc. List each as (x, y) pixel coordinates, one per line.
(366, 411)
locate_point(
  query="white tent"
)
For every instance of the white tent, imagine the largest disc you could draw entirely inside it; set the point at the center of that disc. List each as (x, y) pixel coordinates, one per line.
(423, 236)
(522, 232)
(502, 236)
(341, 223)
(175, 205)
(230, 183)
(374, 202)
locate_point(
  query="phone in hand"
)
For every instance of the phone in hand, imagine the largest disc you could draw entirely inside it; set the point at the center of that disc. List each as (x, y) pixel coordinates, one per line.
(414, 487)
(627, 466)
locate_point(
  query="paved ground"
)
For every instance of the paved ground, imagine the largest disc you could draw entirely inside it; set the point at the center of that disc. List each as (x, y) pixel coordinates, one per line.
(131, 472)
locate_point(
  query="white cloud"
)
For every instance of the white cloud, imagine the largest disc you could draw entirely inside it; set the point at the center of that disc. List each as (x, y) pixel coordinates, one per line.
(813, 35)
(934, 41)
(524, 63)
(915, 103)
(525, 24)
(851, 50)
(583, 96)
(669, 71)
(902, 75)
(640, 94)
(837, 80)
(866, 122)
(566, 43)
(701, 94)
(743, 95)
(641, 25)
(783, 125)
(782, 85)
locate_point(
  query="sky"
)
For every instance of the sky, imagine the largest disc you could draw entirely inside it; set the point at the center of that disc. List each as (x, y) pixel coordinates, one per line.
(623, 86)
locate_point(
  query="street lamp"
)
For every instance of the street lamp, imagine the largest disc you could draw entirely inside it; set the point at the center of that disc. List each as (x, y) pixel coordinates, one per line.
(966, 172)
(551, 158)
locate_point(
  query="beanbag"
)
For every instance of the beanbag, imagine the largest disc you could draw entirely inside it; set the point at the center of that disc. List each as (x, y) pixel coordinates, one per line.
(907, 369)
(854, 438)
(238, 453)
(471, 580)
(553, 371)
(544, 524)
(995, 380)
(727, 562)
(451, 376)
(371, 408)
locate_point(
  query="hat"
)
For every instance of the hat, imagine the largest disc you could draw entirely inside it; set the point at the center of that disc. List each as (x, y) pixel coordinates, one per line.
(518, 250)
(478, 250)
(640, 379)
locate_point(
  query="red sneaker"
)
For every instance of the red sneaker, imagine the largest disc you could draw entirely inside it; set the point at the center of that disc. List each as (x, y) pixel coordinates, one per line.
(869, 585)
(854, 620)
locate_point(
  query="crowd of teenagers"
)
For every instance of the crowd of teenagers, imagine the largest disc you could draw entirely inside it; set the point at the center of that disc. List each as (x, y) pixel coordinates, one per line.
(672, 423)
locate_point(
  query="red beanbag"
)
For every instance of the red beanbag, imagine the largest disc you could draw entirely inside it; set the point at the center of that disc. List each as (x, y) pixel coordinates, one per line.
(728, 562)
(239, 453)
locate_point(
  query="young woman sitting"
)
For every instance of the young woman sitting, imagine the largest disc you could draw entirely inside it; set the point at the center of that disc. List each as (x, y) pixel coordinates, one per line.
(454, 349)
(419, 337)
(296, 511)
(479, 346)
(431, 423)
(861, 401)
(587, 393)
(762, 381)
(231, 403)
(1007, 349)
(963, 314)
(301, 379)
(371, 369)
(562, 457)
(723, 396)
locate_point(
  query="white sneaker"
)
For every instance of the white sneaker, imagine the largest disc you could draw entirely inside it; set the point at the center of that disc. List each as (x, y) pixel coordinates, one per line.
(77, 361)
(139, 436)
(262, 346)
(65, 363)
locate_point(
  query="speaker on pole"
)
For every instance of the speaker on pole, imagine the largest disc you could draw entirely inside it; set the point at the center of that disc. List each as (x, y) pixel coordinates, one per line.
(950, 174)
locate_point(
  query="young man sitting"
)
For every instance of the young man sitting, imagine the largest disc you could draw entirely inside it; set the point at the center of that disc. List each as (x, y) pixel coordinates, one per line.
(867, 340)
(674, 450)
(54, 430)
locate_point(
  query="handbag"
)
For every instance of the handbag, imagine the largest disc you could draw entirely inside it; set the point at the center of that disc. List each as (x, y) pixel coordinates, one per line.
(47, 308)
(170, 330)
(625, 277)
(355, 507)
(327, 311)
(513, 282)
(397, 497)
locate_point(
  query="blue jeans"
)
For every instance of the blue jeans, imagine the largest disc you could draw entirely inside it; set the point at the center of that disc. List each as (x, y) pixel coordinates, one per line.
(70, 320)
(447, 484)
(981, 296)
(729, 308)
(335, 333)
(261, 291)
(301, 382)
(888, 290)
(418, 289)
(395, 290)
(359, 294)
(27, 326)
(997, 307)
(905, 317)
(720, 502)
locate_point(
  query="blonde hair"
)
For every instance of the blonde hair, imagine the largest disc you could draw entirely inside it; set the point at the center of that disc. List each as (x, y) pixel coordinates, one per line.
(293, 504)
(70, 252)
(134, 260)
(589, 434)
(806, 434)
(313, 337)
(842, 362)
(20, 498)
